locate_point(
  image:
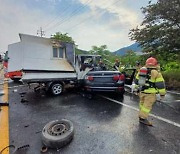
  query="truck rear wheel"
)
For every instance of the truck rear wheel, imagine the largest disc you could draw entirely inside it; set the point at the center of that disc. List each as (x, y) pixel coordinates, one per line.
(56, 88)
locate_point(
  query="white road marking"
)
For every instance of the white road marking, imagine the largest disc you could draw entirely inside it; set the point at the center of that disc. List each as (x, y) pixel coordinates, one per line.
(173, 92)
(136, 109)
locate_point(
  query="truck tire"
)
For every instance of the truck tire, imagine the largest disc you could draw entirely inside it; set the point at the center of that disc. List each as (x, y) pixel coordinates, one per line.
(58, 133)
(56, 88)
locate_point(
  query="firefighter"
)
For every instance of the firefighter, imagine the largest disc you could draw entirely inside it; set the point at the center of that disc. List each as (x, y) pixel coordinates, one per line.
(101, 66)
(150, 82)
(138, 65)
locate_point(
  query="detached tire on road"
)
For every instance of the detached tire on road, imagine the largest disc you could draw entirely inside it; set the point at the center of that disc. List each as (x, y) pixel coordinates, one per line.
(56, 88)
(58, 133)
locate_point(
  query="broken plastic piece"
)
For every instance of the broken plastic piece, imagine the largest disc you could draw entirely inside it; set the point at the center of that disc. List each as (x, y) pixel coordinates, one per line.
(44, 149)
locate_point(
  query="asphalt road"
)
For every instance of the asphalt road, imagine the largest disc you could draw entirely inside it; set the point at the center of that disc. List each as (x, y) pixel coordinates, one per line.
(106, 124)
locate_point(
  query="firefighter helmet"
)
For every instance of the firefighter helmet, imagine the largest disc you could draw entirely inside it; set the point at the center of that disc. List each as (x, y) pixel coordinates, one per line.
(151, 61)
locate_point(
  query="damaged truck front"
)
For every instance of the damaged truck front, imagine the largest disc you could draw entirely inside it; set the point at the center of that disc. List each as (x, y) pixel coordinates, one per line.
(50, 63)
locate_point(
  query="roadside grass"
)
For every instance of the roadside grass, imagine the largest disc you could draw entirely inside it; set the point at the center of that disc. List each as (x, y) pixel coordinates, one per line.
(172, 79)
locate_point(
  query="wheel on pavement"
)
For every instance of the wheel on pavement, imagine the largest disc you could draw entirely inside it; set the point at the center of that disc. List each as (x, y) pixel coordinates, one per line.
(56, 88)
(58, 133)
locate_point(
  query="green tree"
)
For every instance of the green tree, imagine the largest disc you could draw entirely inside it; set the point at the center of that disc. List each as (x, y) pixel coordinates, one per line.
(107, 56)
(160, 29)
(102, 50)
(129, 59)
(62, 37)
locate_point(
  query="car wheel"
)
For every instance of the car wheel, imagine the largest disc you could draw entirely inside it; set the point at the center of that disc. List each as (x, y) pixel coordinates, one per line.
(15, 79)
(58, 133)
(56, 88)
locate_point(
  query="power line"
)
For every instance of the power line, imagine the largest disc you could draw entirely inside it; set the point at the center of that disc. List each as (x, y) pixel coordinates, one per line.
(71, 15)
(82, 21)
(56, 17)
(40, 32)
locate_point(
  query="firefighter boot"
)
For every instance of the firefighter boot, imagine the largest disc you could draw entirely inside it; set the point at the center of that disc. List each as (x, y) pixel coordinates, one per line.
(145, 122)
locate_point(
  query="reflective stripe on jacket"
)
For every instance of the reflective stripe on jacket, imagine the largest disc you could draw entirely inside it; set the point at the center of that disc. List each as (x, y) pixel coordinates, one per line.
(157, 80)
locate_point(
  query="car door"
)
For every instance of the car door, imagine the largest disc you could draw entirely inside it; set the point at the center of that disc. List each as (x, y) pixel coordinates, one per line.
(129, 75)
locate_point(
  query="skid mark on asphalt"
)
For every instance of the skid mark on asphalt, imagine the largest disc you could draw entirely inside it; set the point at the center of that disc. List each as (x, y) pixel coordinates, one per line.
(136, 109)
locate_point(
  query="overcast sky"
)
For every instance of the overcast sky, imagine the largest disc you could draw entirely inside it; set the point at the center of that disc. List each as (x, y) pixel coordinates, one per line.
(88, 22)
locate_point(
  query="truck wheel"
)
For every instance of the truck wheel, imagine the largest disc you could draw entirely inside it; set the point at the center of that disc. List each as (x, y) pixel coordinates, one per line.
(56, 88)
(15, 79)
(58, 133)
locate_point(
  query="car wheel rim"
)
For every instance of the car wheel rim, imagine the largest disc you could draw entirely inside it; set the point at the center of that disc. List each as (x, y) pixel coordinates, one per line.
(57, 89)
(58, 129)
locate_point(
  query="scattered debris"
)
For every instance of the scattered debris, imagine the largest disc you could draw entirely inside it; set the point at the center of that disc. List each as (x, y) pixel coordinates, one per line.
(44, 149)
(15, 90)
(87, 95)
(26, 126)
(150, 150)
(164, 140)
(24, 147)
(9, 146)
(23, 100)
(22, 93)
(38, 132)
(4, 104)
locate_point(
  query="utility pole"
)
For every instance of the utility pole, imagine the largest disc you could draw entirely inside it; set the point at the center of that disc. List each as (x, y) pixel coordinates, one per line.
(40, 32)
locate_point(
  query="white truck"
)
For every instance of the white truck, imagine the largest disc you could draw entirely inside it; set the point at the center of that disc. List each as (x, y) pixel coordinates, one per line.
(49, 62)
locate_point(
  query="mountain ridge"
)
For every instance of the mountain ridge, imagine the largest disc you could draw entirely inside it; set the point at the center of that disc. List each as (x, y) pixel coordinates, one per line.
(134, 47)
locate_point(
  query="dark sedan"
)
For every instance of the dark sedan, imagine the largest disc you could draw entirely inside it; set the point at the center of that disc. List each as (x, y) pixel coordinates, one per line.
(104, 81)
